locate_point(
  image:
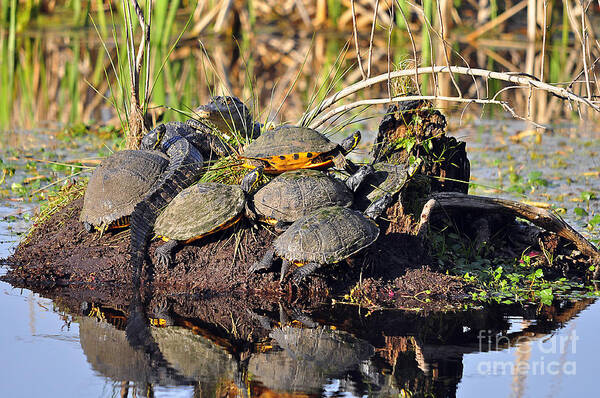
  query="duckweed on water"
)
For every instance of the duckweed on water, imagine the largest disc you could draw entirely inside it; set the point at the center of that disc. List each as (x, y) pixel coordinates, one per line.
(498, 279)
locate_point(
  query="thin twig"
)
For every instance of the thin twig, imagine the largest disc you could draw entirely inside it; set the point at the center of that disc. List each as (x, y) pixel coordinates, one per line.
(584, 48)
(444, 43)
(513, 78)
(414, 47)
(355, 29)
(371, 38)
(544, 28)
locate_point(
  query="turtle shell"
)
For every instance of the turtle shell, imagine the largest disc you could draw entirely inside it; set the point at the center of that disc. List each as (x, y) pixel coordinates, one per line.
(119, 183)
(200, 210)
(388, 178)
(289, 147)
(326, 236)
(294, 194)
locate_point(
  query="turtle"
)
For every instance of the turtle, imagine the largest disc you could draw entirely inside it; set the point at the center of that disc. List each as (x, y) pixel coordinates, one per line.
(326, 236)
(228, 114)
(119, 183)
(300, 352)
(387, 178)
(290, 147)
(296, 193)
(200, 210)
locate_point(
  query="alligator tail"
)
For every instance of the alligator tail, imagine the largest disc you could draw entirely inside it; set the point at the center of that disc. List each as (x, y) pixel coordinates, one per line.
(185, 168)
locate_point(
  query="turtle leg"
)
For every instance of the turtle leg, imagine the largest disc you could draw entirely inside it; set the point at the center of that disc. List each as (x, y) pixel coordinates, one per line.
(161, 314)
(88, 227)
(285, 266)
(340, 162)
(302, 272)
(355, 180)
(264, 264)
(377, 208)
(263, 321)
(164, 253)
(281, 226)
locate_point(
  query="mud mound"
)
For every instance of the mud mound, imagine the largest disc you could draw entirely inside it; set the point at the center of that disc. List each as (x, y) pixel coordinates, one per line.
(60, 253)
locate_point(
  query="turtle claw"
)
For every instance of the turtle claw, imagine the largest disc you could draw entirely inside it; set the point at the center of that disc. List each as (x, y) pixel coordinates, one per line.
(264, 264)
(163, 254)
(161, 314)
(89, 228)
(285, 266)
(163, 260)
(302, 272)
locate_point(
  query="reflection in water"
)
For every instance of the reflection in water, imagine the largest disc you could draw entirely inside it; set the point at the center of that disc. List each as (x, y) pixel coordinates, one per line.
(303, 360)
(289, 353)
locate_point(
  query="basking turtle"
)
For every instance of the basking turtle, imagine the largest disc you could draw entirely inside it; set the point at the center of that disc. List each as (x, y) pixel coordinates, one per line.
(117, 185)
(228, 114)
(326, 236)
(296, 193)
(387, 178)
(290, 148)
(201, 210)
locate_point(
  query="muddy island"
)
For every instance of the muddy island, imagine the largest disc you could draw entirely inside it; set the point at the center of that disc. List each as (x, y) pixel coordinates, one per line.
(401, 269)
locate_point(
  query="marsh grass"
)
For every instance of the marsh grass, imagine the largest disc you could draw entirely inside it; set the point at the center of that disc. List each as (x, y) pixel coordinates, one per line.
(56, 201)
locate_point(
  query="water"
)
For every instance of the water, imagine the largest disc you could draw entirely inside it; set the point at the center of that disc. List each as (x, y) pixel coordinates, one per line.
(53, 353)
(75, 344)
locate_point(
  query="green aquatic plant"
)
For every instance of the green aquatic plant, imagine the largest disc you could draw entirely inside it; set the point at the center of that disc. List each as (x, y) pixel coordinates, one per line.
(498, 279)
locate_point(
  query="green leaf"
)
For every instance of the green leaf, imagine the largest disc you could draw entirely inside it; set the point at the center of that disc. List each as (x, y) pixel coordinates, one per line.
(546, 296)
(539, 273)
(579, 212)
(595, 221)
(587, 196)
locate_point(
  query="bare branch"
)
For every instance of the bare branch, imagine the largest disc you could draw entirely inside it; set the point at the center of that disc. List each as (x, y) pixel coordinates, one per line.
(371, 38)
(355, 29)
(508, 77)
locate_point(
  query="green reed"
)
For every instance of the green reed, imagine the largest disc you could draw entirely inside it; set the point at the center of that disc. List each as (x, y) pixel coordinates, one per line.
(334, 11)
(7, 63)
(426, 48)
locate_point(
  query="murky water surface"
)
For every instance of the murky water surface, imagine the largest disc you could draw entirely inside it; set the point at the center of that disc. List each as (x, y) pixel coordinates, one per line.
(56, 354)
(73, 347)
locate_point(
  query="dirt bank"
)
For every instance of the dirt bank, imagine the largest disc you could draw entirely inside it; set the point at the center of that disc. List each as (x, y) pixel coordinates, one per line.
(60, 254)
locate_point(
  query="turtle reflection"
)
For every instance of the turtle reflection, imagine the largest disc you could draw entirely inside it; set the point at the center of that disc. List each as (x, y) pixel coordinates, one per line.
(305, 356)
(284, 352)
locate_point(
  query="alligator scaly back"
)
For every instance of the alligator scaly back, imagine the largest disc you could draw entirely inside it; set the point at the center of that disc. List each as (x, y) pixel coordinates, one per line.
(184, 168)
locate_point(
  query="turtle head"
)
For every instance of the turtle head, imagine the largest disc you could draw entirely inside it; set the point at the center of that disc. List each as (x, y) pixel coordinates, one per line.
(153, 138)
(250, 180)
(355, 180)
(226, 114)
(351, 142)
(377, 208)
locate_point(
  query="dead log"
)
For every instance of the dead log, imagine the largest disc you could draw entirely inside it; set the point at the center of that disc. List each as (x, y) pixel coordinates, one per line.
(414, 129)
(454, 201)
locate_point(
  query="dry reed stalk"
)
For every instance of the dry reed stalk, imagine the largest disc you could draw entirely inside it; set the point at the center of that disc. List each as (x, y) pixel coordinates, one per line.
(137, 126)
(355, 33)
(519, 79)
(496, 21)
